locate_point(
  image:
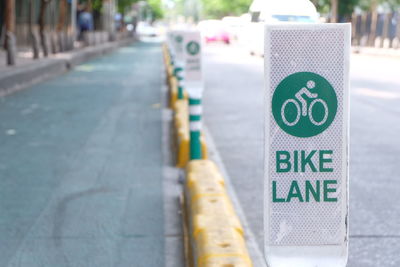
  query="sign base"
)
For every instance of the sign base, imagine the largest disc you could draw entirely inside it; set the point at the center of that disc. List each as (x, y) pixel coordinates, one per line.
(313, 256)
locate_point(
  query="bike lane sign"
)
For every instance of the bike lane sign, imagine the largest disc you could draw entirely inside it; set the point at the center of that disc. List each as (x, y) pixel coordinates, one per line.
(193, 61)
(177, 42)
(306, 144)
(304, 104)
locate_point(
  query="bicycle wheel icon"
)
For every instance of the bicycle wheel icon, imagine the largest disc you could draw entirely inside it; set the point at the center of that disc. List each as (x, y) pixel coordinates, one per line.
(298, 112)
(304, 104)
(309, 113)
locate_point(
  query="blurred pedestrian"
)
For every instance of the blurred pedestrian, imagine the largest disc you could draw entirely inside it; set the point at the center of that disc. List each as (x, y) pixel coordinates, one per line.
(85, 22)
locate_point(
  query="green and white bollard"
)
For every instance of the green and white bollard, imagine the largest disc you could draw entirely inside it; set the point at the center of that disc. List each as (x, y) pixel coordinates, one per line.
(195, 113)
(179, 74)
(194, 87)
(177, 41)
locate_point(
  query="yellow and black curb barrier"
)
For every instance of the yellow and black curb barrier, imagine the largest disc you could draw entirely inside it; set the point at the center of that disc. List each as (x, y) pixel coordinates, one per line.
(181, 123)
(214, 236)
(181, 117)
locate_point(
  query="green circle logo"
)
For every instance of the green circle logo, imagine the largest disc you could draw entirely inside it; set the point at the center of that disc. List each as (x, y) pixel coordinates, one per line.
(193, 48)
(304, 104)
(179, 39)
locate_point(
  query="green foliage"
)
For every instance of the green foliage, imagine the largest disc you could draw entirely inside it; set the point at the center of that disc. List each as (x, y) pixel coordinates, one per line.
(155, 6)
(323, 6)
(179, 6)
(97, 5)
(393, 4)
(221, 8)
(156, 9)
(346, 7)
(123, 5)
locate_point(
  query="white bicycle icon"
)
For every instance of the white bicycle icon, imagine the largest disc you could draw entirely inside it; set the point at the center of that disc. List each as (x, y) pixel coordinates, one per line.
(305, 109)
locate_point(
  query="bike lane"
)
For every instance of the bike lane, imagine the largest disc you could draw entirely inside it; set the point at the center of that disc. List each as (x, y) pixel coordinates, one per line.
(80, 166)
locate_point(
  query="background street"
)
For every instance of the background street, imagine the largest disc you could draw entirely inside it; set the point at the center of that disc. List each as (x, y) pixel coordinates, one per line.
(104, 162)
(234, 113)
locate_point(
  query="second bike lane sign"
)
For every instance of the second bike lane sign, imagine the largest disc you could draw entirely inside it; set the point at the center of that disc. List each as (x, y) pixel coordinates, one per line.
(306, 145)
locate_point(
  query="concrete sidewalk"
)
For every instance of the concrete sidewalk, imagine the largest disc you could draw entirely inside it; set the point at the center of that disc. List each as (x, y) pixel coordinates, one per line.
(81, 166)
(28, 71)
(373, 51)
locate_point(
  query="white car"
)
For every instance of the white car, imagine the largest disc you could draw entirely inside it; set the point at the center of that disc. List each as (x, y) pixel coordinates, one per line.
(282, 11)
(144, 29)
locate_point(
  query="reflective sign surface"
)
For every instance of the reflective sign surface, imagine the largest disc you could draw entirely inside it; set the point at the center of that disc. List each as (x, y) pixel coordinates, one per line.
(306, 168)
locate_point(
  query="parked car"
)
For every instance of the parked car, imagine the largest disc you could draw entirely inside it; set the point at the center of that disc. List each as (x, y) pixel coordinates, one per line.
(145, 29)
(214, 31)
(234, 26)
(282, 11)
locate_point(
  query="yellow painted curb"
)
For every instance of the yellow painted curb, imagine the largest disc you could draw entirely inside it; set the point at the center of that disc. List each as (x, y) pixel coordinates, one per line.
(216, 236)
(225, 247)
(181, 123)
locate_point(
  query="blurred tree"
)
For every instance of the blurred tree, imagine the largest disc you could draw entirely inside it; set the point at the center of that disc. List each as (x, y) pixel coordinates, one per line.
(42, 26)
(179, 6)
(221, 8)
(9, 22)
(156, 9)
(334, 10)
(97, 5)
(346, 7)
(91, 4)
(369, 5)
(393, 4)
(339, 10)
(9, 16)
(175, 8)
(62, 14)
(123, 5)
(33, 37)
(155, 6)
(192, 10)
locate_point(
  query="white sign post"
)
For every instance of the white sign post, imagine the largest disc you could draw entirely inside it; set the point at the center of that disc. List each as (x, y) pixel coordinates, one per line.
(194, 88)
(306, 139)
(192, 63)
(178, 59)
(170, 42)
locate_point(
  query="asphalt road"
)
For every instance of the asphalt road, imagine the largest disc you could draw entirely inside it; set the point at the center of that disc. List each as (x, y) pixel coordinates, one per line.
(234, 113)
